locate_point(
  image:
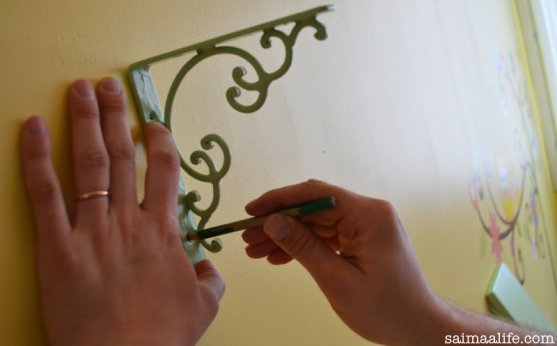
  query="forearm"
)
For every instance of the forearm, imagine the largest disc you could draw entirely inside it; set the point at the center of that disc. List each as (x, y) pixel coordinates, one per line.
(452, 324)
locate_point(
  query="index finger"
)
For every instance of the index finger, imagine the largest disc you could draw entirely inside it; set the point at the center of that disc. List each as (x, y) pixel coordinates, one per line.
(297, 194)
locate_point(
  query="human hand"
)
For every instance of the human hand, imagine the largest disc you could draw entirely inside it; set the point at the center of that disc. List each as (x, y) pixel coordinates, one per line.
(116, 272)
(358, 253)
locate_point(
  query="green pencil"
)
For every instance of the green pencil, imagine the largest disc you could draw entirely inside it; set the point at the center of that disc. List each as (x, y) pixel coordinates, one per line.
(303, 209)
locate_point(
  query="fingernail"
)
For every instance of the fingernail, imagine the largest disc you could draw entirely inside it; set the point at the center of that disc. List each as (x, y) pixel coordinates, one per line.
(277, 227)
(154, 123)
(155, 126)
(84, 89)
(35, 126)
(110, 86)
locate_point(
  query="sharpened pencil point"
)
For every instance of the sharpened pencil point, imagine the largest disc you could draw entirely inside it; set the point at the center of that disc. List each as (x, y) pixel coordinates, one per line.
(192, 237)
(300, 210)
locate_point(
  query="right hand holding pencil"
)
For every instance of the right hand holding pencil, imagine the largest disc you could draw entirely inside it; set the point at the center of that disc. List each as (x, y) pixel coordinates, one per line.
(358, 253)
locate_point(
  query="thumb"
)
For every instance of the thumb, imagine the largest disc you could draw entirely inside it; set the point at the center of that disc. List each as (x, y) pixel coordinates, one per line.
(298, 241)
(210, 278)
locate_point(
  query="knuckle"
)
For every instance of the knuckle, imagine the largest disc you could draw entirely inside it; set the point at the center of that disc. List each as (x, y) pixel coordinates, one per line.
(388, 219)
(319, 186)
(313, 181)
(158, 130)
(113, 105)
(45, 191)
(59, 261)
(93, 158)
(168, 223)
(385, 208)
(121, 149)
(128, 223)
(314, 184)
(169, 230)
(380, 209)
(36, 151)
(299, 245)
(86, 110)
(167, 159)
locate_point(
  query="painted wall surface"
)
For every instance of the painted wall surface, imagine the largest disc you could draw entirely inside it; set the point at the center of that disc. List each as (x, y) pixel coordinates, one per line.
(425, 103)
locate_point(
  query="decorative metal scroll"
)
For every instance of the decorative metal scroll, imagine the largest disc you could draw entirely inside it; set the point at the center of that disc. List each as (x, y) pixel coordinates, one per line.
(148, 105)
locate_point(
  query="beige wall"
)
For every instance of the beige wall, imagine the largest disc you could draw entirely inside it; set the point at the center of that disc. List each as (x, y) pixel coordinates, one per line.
(403, 101)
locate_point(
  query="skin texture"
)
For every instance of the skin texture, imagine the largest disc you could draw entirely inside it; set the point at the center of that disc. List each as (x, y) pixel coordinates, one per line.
(361, 257)
(375, 261)
(115, 272)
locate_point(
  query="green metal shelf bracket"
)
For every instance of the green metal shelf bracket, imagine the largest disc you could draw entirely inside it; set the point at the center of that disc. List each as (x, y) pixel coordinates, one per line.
(148, 105)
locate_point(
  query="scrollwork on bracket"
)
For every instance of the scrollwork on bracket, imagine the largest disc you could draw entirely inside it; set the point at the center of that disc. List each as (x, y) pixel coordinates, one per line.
(148, 104)
(214, 177)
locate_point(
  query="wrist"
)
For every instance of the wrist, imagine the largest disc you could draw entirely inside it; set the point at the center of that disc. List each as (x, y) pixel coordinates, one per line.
(433, 319)
(450, 320)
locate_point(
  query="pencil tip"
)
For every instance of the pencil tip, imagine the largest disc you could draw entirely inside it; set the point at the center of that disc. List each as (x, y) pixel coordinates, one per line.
(192, 237)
